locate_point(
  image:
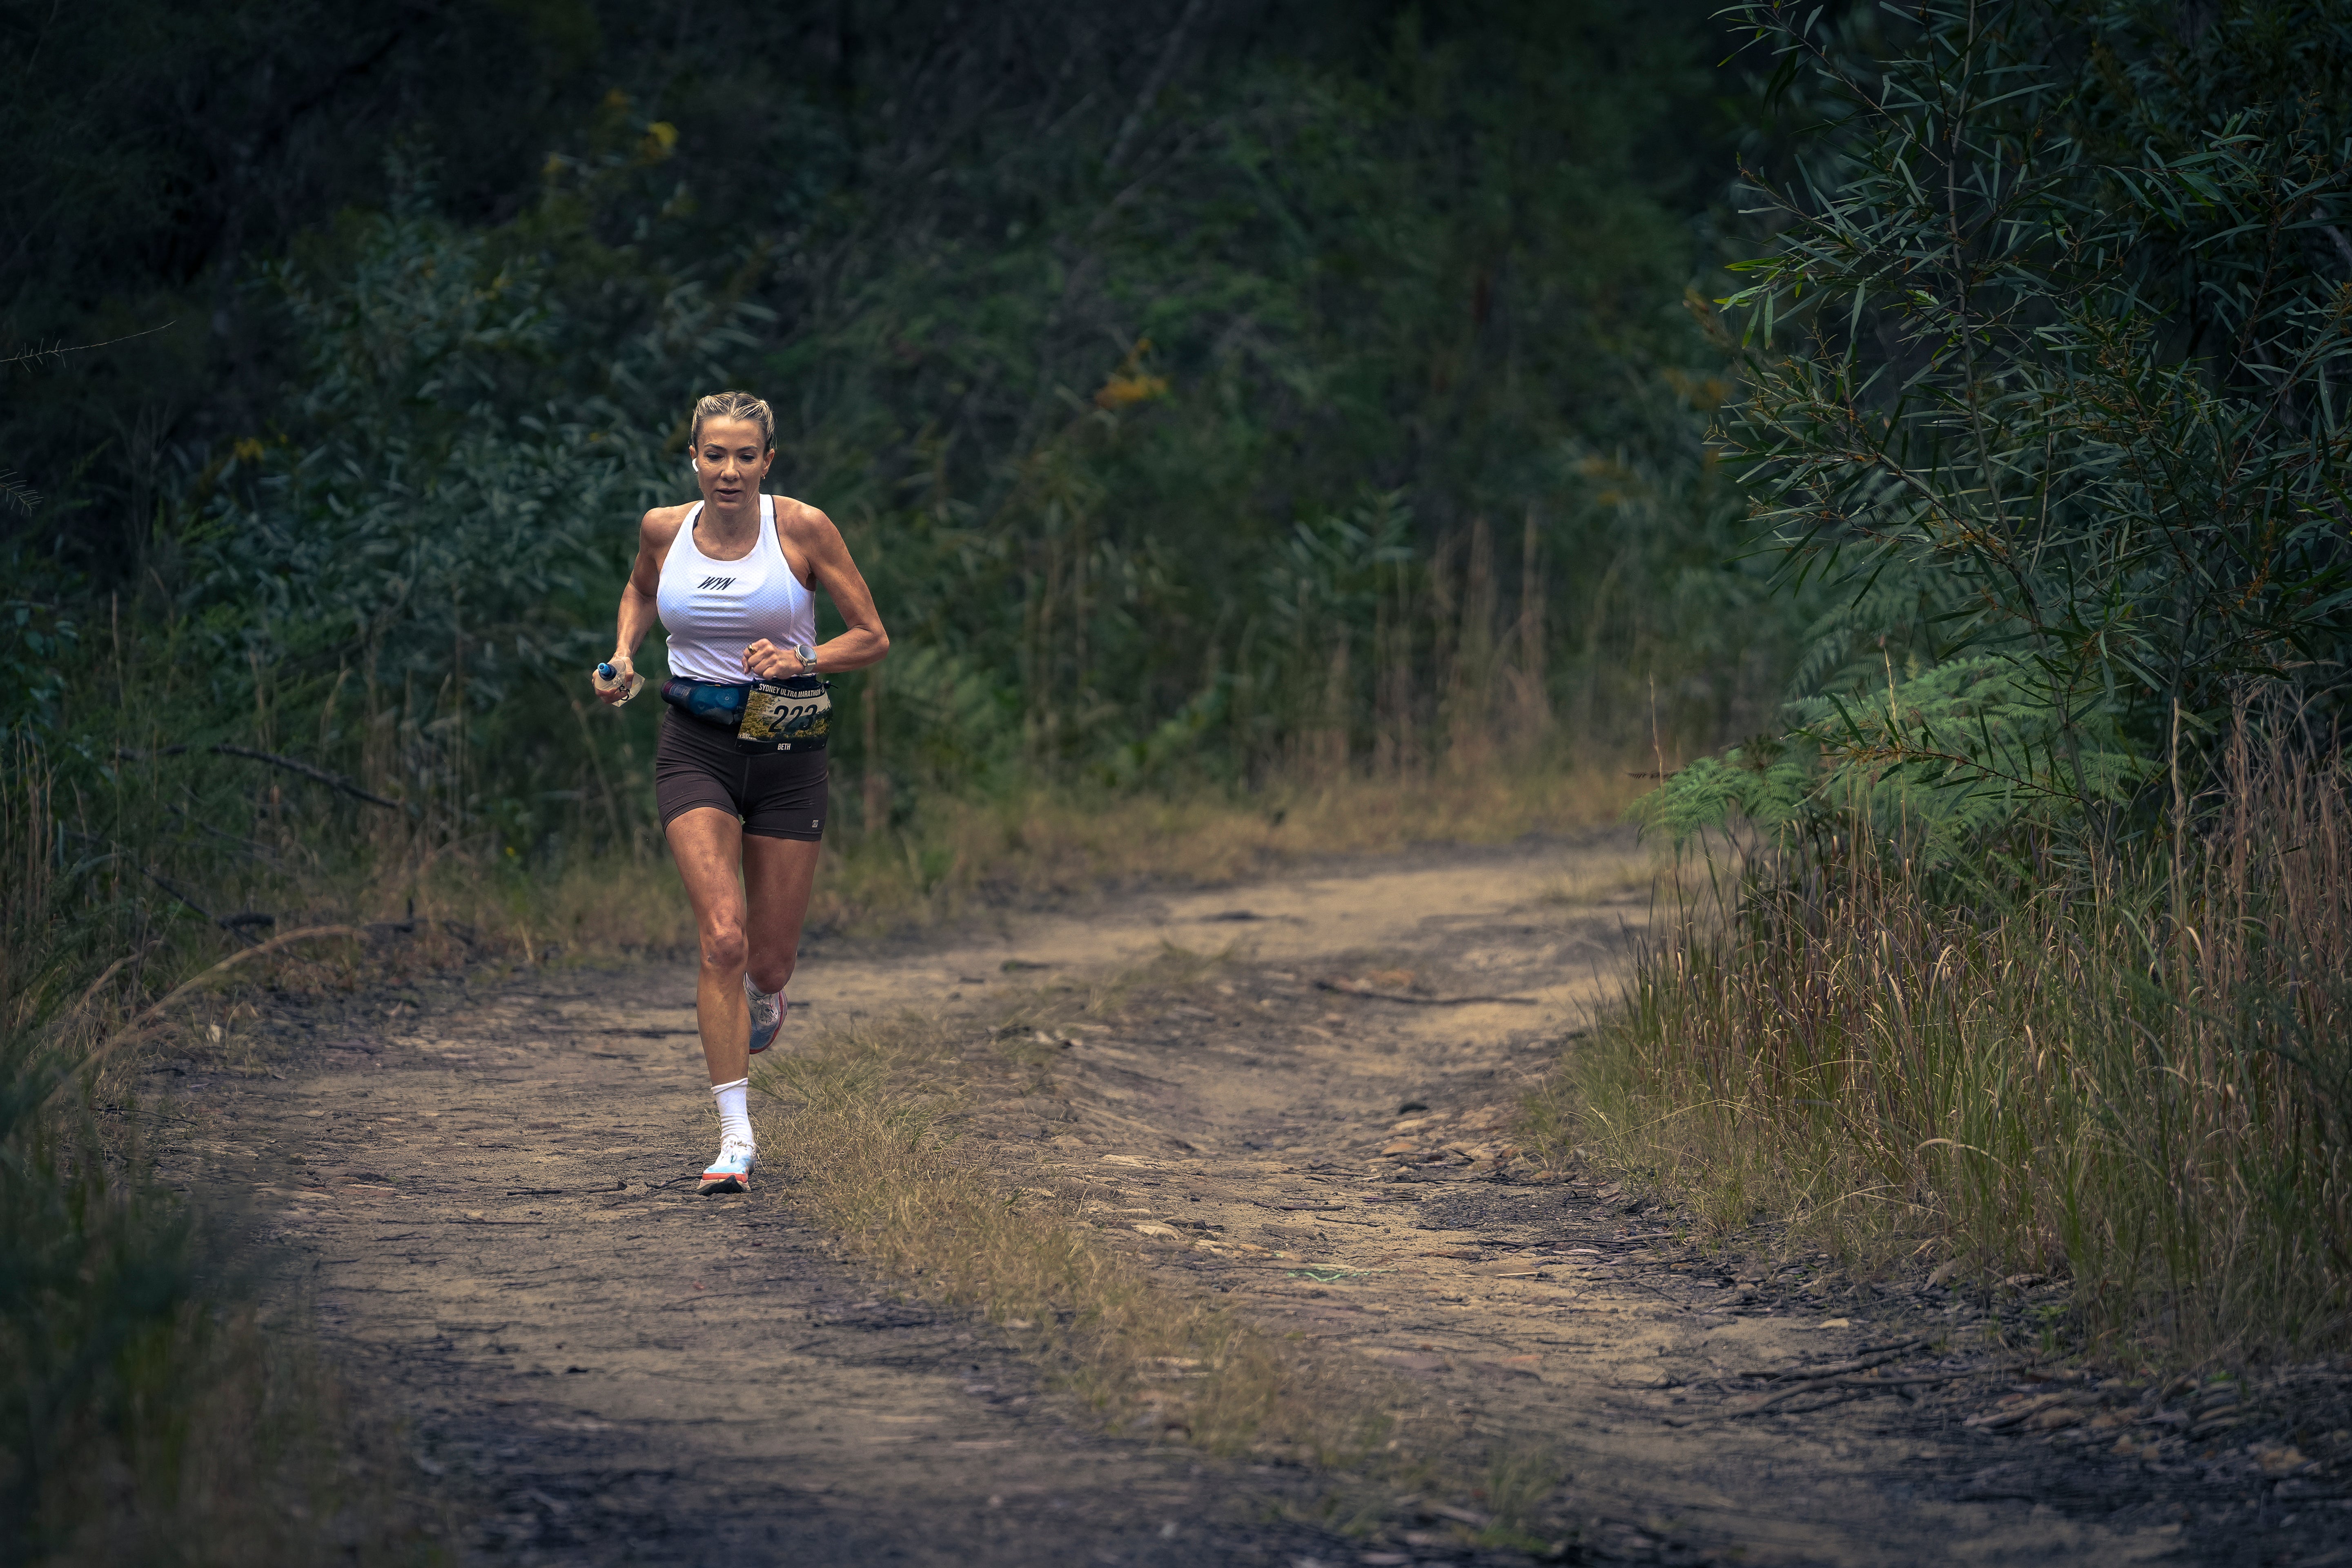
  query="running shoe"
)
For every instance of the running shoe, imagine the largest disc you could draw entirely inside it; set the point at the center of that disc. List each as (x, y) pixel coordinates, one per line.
(731, 1172)
(768, 1010)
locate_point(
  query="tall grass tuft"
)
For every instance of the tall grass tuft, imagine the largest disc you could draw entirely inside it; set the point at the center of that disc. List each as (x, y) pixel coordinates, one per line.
(149, 1412)
(2131, 1070)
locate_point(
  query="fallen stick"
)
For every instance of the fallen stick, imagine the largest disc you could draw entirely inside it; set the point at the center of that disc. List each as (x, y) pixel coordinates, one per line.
(1861, 1384)
(1160, 1132)
(316, 775)
(1344, 989)
(1845, 1388)
(1862, 1363)
(2001, 1421)
(158, 879)
(320, 776)
(229, 923)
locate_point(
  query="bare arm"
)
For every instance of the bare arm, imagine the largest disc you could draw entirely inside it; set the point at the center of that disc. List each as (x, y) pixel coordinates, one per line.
(639, 597)
(863, 640)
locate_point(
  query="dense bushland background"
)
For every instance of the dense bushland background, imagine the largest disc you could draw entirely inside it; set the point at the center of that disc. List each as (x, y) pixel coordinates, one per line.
(1214, 396)
(2023, 951)
(1266, 426)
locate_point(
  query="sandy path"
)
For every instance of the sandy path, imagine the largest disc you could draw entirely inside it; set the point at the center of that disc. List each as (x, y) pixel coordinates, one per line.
(491, 1198)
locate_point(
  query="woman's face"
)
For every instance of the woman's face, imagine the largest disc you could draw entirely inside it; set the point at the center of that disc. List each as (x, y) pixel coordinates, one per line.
(731, 460)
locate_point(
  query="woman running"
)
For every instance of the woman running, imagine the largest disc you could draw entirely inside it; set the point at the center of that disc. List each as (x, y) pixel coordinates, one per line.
(739, 772)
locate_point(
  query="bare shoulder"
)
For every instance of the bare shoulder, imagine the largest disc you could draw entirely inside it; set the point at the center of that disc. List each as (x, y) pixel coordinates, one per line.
(661, 524)
(803, 524)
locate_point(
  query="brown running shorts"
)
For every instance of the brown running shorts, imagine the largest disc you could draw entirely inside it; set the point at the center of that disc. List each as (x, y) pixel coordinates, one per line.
(775, 794)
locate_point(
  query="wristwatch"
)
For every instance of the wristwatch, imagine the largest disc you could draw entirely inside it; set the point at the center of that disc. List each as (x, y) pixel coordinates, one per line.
(807, 657)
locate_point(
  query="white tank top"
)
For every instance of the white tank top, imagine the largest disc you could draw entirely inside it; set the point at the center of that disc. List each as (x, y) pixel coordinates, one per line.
(713, 610)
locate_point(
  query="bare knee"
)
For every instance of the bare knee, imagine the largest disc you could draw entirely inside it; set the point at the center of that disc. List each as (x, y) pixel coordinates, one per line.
(724, 949)
(771, 970)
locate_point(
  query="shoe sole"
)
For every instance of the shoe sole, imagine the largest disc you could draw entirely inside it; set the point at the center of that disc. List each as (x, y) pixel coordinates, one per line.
(712, 1186)
(785, 1008)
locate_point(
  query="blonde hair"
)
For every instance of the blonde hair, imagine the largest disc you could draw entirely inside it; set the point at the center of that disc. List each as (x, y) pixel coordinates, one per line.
(734, 405)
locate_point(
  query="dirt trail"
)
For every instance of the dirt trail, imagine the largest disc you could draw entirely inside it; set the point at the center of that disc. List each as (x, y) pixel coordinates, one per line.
(494, 1202)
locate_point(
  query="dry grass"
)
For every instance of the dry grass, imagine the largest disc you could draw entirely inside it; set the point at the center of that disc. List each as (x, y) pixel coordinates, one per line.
(448, 904)
(1039, 844)
(2132, 1073)
(147, 1413)
(959, 856)
(868, 1113)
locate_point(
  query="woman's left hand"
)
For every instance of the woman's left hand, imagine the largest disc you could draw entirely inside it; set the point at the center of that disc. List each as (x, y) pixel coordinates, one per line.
(769, 662)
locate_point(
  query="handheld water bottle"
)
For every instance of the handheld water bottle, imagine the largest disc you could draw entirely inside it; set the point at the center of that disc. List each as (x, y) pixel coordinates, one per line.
(608, 677)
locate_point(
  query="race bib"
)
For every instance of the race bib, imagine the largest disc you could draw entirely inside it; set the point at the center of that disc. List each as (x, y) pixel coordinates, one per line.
(786, 715)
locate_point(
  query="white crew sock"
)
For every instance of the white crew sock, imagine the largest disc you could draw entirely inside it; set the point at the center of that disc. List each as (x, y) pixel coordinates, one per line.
(734, 1120)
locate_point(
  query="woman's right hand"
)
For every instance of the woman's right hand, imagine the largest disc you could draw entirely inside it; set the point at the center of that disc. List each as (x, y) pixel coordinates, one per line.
(622, 686)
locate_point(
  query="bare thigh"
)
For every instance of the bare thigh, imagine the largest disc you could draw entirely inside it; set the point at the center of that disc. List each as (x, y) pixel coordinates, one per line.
(708, 844)
(778, 875)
